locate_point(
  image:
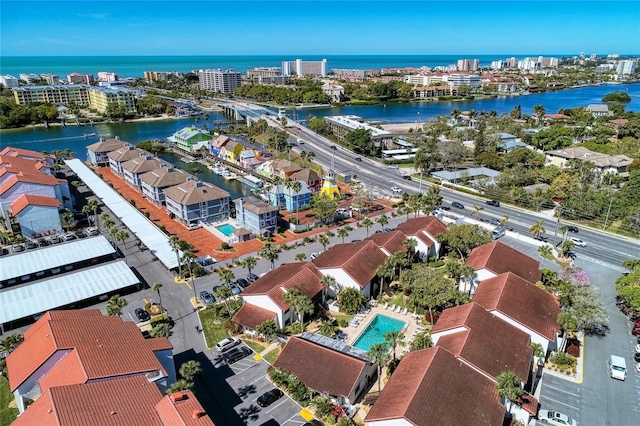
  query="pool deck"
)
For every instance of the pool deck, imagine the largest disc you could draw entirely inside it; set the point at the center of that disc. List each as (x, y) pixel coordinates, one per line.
(409, 329)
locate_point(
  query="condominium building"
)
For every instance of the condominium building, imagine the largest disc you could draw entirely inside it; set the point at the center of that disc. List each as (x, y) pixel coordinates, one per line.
(79, 78)
(347, 73)
(267, 75)
(30, 78)
(302, 68)
(468, 64)
(8, 81)
(152, 76)
(219, 80)
(80, 94)
(50, 78)
(627, 67)
(457, 80)
(107, 76)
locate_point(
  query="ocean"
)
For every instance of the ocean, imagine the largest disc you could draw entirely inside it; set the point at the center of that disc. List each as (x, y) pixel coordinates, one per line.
(134, 66)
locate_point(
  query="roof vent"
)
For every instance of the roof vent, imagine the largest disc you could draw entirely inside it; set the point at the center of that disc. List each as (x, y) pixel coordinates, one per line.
(114, 412)
(197, 414)
(178, 396)
(198, 183)
(189, 178)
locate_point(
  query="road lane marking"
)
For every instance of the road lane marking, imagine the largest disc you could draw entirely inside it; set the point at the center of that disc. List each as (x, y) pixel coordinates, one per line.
(562, 390)
(276, 406)
(560, 402)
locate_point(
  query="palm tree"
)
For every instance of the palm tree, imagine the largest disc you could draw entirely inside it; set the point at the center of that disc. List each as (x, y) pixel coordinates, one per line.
(567, 246)
(324, 241)
(156, 287)
(161, 329)
(540, 113)
(226, 275)
(123, 236)
(366, 224)
(455, 114)
(508, 387)
(537, 229)
(343, 232)
(113, 232)
(394, 338)
(383, 271)
(504, 221)
(115, 305)
(379, 356)
(174, 243)
(383, 221)
(328, 328)
(270, 252)
(396, 260)
(297, 187)
(410, 244)
(327, 282)
(107, 222)
(249, 262)
(301, 257)
(224, 293)
(190, 369)
(9, 343)
(476, 210)
(545, 251)
(189, 256)
(299, 303)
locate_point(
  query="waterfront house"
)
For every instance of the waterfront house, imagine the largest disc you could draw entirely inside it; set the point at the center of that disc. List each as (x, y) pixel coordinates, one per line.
(257, 216)
(121, 156)
(523, 305)
(155, 181)
(218, 143)
(37, 215)
(191, 139)
(495, 258)
(615, 164)
(423, 230)
(599, 110)
(352, 265)
(195, 202)
(286, 198)
(423, 386)
(310, 178)
(283, 168)
(97, 152)
(133, 169)
(327, 366)
(248, 159)
(231, 151)
(264, 299)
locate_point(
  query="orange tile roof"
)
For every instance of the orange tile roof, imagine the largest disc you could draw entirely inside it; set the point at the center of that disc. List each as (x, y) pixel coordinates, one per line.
(105, 346)
(68, 371)
(499, 258)
(32, 200)
(251, 316)
(20, 152)
(127, 401)
(391, 242)
(24, 165)
(182, 409)
(523, 302)
(359, 260)
(303, 276)
(432, 387)
(320, 368)
(483, 341)
(418, 226)
(38, 178)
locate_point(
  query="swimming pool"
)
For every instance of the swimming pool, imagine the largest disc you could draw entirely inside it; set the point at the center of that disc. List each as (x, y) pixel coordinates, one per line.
(226, 229)
(374, 333)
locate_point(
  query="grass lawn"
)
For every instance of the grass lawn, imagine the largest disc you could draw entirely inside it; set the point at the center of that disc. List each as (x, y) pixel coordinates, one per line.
(7, 414)
(255, 345)
(213, 331)
(271, 356)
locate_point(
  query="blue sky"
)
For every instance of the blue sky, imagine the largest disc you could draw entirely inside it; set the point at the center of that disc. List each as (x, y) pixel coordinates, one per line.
(79, 28)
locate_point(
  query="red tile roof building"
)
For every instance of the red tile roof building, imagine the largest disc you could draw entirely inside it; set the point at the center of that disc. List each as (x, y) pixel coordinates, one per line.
(433, 387)
(424, 230)
(497, 258)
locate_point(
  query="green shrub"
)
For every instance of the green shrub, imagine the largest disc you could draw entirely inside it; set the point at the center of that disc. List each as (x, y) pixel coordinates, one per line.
(343, 322)
(224, 245)
(562, 359)
(436, 264)
(160, 319)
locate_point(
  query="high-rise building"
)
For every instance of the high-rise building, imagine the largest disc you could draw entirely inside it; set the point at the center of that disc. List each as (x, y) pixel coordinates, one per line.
(8, 81)
(152, 76)
(50, 78)
(468, 64)
(218, 80)
(107, 76)
(79, 78)
(302, 68)
(512, 62)
(627, 67)
(30, 77)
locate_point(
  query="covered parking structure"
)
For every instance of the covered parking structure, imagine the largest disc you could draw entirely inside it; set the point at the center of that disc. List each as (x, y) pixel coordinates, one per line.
(145, 230)
(43, 260)
(41, 296)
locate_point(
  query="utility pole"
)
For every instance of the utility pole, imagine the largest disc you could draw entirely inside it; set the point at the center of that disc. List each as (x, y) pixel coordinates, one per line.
(608, 211)
(555, 234)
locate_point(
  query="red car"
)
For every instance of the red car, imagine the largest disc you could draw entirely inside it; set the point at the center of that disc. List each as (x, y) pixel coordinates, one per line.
(635, 331)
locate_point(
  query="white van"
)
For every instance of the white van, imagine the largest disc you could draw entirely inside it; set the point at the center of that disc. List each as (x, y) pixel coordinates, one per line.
(618, 367)
(498, 232)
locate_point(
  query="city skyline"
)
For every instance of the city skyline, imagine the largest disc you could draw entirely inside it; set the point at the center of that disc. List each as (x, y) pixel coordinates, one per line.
(80, 28)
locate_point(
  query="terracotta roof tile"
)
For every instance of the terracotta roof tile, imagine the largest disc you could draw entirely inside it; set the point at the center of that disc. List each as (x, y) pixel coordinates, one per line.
(320, 368)
(20, 152)
(359, 260)
(499, 258)
(39, 413)
(391, 242)
(37, 347)
(432, 387)
(37, 178)
(420, 226)
(251, 316)
(159, 344)
(24, 165)
(483, 340)
(521, 301)
(303, 276)
(68, 371)
(182, 409)
(26, 200)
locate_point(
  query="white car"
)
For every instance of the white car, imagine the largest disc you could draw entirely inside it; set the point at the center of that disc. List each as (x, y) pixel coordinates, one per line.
(555, 418)
(226, 344)
(578, 242)
(396, 189)
(393, 166)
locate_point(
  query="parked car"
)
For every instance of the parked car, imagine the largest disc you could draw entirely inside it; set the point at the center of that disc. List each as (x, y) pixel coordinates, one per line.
(17, 248)
(636, 355)
(313, 255)
(235, 289)
(142, 315)
(31, 245)
(387, 229)
(635, 331)
(572, 228)
(396, 189)
(494, 203)
(55, 240)
(43, 242)
(555, 418)
(269, 397)
(69, 237)
(406, 177)
(300, 142)
(228, 343)
(393, 166)
(92, 232)
(252, 278)
(457, 205)
(206, 297)
(494, 221)
(578, 242)
(236, 354)
(80, 234)
(242, 283)
(358, 159)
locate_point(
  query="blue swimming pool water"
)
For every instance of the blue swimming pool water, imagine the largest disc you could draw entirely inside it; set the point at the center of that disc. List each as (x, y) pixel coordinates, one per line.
(374, 333)
(226, 229)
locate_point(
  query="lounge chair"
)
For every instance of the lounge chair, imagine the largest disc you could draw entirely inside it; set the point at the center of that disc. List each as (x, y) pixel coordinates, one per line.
(404, 311)
(393, 308)
(386, 305)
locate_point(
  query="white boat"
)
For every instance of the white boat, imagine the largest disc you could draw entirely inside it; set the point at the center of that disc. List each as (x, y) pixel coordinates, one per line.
(219, 170)
(229, 176)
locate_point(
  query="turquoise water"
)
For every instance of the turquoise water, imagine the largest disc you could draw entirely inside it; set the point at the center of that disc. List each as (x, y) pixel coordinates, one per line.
(374, 333)
(226, 229)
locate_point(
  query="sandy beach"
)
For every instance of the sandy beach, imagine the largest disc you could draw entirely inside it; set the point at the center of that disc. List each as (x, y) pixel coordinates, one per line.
(402, 127)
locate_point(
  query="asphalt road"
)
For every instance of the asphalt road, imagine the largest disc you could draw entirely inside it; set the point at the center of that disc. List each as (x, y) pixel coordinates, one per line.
(602, 247)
